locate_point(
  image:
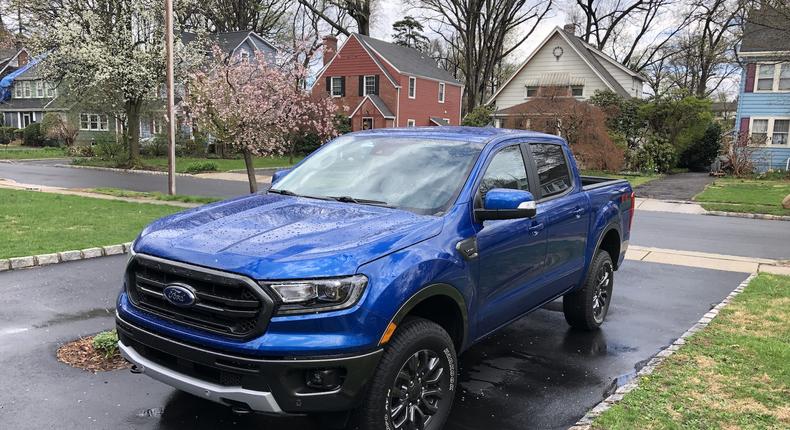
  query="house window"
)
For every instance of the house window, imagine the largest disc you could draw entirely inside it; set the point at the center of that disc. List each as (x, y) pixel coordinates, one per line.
(441, 92)
(532, 91)
(412, 87)
(447, 120)
(337, 86)
(367, 123)
(410, 123)
(50, 90)
(765, 77)
(784, 77)
(780, 132)
(370, 85)
(759, 131)
(40, 89)
(244, 55)
(26, 89)
(18, 90)
(93, 122)
(577, 90)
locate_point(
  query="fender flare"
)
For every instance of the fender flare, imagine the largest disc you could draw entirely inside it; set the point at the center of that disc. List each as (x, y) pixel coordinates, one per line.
(609, 227)
(434, 290)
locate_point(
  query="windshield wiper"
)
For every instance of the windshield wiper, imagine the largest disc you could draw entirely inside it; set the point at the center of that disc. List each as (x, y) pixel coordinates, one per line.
(349, 199)
(283, 192)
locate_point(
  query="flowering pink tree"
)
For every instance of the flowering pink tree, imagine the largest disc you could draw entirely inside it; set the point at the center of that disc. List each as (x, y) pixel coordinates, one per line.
(256, 106)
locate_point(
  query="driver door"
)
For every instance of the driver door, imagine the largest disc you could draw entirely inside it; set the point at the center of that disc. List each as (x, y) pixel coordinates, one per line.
(511, 252)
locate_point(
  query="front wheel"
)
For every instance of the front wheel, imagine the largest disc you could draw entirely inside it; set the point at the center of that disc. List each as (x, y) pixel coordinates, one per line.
(586, 308)
(414, 384)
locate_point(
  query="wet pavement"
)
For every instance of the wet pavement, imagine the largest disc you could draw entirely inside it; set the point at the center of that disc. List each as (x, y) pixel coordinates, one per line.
(680, 186)
(536, 373)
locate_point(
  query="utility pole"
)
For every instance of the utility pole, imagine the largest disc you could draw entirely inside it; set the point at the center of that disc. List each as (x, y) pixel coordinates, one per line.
(171, 100)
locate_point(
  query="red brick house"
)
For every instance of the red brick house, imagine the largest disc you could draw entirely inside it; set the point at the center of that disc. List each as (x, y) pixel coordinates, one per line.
(387, 85)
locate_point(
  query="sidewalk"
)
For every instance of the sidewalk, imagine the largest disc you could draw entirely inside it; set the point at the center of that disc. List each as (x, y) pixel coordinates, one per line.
(675, 206)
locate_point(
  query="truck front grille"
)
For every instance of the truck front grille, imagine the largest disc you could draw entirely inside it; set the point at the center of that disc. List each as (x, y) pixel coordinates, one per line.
(225, 303)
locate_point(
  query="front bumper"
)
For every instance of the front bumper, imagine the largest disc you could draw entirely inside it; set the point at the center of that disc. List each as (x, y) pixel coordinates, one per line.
(261, 385)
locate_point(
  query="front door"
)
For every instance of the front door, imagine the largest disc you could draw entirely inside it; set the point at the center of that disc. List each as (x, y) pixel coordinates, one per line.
(511, 252)
(367, 123)
(27, 118)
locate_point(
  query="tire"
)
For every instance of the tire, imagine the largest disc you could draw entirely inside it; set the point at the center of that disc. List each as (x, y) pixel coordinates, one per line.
(587, 307)
(422, 353)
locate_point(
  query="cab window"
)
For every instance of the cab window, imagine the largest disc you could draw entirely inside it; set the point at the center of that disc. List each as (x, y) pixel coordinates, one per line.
(506, 170)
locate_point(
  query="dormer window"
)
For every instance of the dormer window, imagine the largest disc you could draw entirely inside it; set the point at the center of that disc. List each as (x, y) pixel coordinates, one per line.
(245, 56)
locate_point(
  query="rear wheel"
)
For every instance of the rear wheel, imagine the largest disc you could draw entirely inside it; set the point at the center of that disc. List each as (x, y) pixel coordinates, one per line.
(414, 384)
(587, 308)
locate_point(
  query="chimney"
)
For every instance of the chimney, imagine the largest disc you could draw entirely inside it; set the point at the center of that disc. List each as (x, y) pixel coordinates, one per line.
(22, 58)
(330, 47)
(570, 28)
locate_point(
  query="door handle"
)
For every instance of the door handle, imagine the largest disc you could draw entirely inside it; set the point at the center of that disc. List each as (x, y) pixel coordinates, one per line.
(535, 229)
(578, 212)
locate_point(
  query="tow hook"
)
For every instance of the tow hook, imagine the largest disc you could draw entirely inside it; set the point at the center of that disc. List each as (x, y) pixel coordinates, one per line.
(240, 410)
(135, 369)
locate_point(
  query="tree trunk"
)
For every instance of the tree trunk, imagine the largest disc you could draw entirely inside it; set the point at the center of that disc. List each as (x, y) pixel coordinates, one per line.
(250, 171)
(133, 130)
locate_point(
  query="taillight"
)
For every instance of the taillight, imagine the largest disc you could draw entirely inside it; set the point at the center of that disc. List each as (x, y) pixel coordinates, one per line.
(633, 209)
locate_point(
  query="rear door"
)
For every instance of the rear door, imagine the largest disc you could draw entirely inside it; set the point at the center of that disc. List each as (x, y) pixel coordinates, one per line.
(511, 252)
(567, 211)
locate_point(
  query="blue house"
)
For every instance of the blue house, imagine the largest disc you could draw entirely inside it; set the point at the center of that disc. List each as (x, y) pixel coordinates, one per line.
(764, 100)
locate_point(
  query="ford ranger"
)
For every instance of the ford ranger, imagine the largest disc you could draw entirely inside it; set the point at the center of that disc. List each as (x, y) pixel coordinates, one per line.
(350, 287)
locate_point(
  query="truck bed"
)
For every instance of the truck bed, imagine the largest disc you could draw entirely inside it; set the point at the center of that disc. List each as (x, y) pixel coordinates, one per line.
(593, 182)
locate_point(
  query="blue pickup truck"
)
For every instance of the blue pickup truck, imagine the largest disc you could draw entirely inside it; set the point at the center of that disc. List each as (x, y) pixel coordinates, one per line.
(349, 288)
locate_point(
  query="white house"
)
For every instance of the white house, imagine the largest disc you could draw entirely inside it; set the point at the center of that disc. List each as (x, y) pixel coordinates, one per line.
(564, 61)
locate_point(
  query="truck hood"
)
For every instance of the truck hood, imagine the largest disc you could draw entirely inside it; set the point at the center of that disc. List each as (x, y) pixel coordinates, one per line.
(269, 236)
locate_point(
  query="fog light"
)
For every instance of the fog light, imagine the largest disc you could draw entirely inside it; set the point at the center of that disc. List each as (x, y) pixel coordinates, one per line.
(323, 379)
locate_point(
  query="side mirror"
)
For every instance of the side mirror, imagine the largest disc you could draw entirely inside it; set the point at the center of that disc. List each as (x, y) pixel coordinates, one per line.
(276, 176)
(504, 203)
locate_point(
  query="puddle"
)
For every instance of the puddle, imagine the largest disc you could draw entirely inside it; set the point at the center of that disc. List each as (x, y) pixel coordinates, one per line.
(79, 316)
(151, 413)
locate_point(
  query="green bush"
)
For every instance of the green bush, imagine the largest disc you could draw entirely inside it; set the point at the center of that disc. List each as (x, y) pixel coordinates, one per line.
(656, 155)
(7, 135)
(108, 149)
(342, 124)
(699, 155)
(479, 116)
(32, 135)
(106, 343)
(80, 151)
(201, 166)
(156, 147)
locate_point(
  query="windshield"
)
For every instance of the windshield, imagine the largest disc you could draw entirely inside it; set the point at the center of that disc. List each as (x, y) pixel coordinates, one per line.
(416, 174)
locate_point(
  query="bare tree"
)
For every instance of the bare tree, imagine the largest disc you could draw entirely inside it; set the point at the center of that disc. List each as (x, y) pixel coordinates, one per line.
(358, 10)
(483, 32)
(265, 17)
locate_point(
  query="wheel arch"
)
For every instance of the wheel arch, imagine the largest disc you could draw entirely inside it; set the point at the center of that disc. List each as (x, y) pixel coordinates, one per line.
(442, 304)
(611, 242)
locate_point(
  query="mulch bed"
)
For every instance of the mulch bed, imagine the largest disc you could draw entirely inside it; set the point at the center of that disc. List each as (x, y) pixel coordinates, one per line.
(80, 354)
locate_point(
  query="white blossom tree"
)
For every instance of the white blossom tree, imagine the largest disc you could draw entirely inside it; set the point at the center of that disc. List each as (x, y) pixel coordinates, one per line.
(107, 52)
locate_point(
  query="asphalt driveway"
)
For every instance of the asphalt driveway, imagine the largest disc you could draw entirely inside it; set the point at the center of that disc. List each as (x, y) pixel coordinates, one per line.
(536, 373)
(680, 186)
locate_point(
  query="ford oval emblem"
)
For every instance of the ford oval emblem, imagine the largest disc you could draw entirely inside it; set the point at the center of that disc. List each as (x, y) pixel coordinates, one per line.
(179, 295)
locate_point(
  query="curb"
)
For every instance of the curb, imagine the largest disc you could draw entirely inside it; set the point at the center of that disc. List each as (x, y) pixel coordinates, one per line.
(15, 263)
(748, 215)
(585, 423)
(132, 171)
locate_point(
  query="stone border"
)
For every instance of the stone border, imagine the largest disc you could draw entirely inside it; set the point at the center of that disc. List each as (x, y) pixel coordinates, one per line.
(585, 423)
(749, 215)
(62, 257)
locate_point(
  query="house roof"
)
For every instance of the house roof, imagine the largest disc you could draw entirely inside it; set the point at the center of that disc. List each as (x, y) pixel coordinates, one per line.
(406, 60)
(378, 103)
(227, 41)
(589, 54)
(439, 121)
(723, 106)
(27, 105)
(765, 31)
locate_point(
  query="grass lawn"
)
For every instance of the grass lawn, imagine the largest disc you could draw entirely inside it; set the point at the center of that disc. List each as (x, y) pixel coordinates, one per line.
(183, 163)
(732, 375)
(21, 152)
(37, 223)
(155, 195)
(634, 178)
(746, 195)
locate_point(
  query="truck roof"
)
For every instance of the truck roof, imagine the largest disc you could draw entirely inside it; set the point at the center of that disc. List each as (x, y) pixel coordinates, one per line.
(470, 134)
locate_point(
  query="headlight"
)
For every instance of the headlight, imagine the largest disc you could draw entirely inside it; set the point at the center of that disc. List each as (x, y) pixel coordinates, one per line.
(317, 295)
